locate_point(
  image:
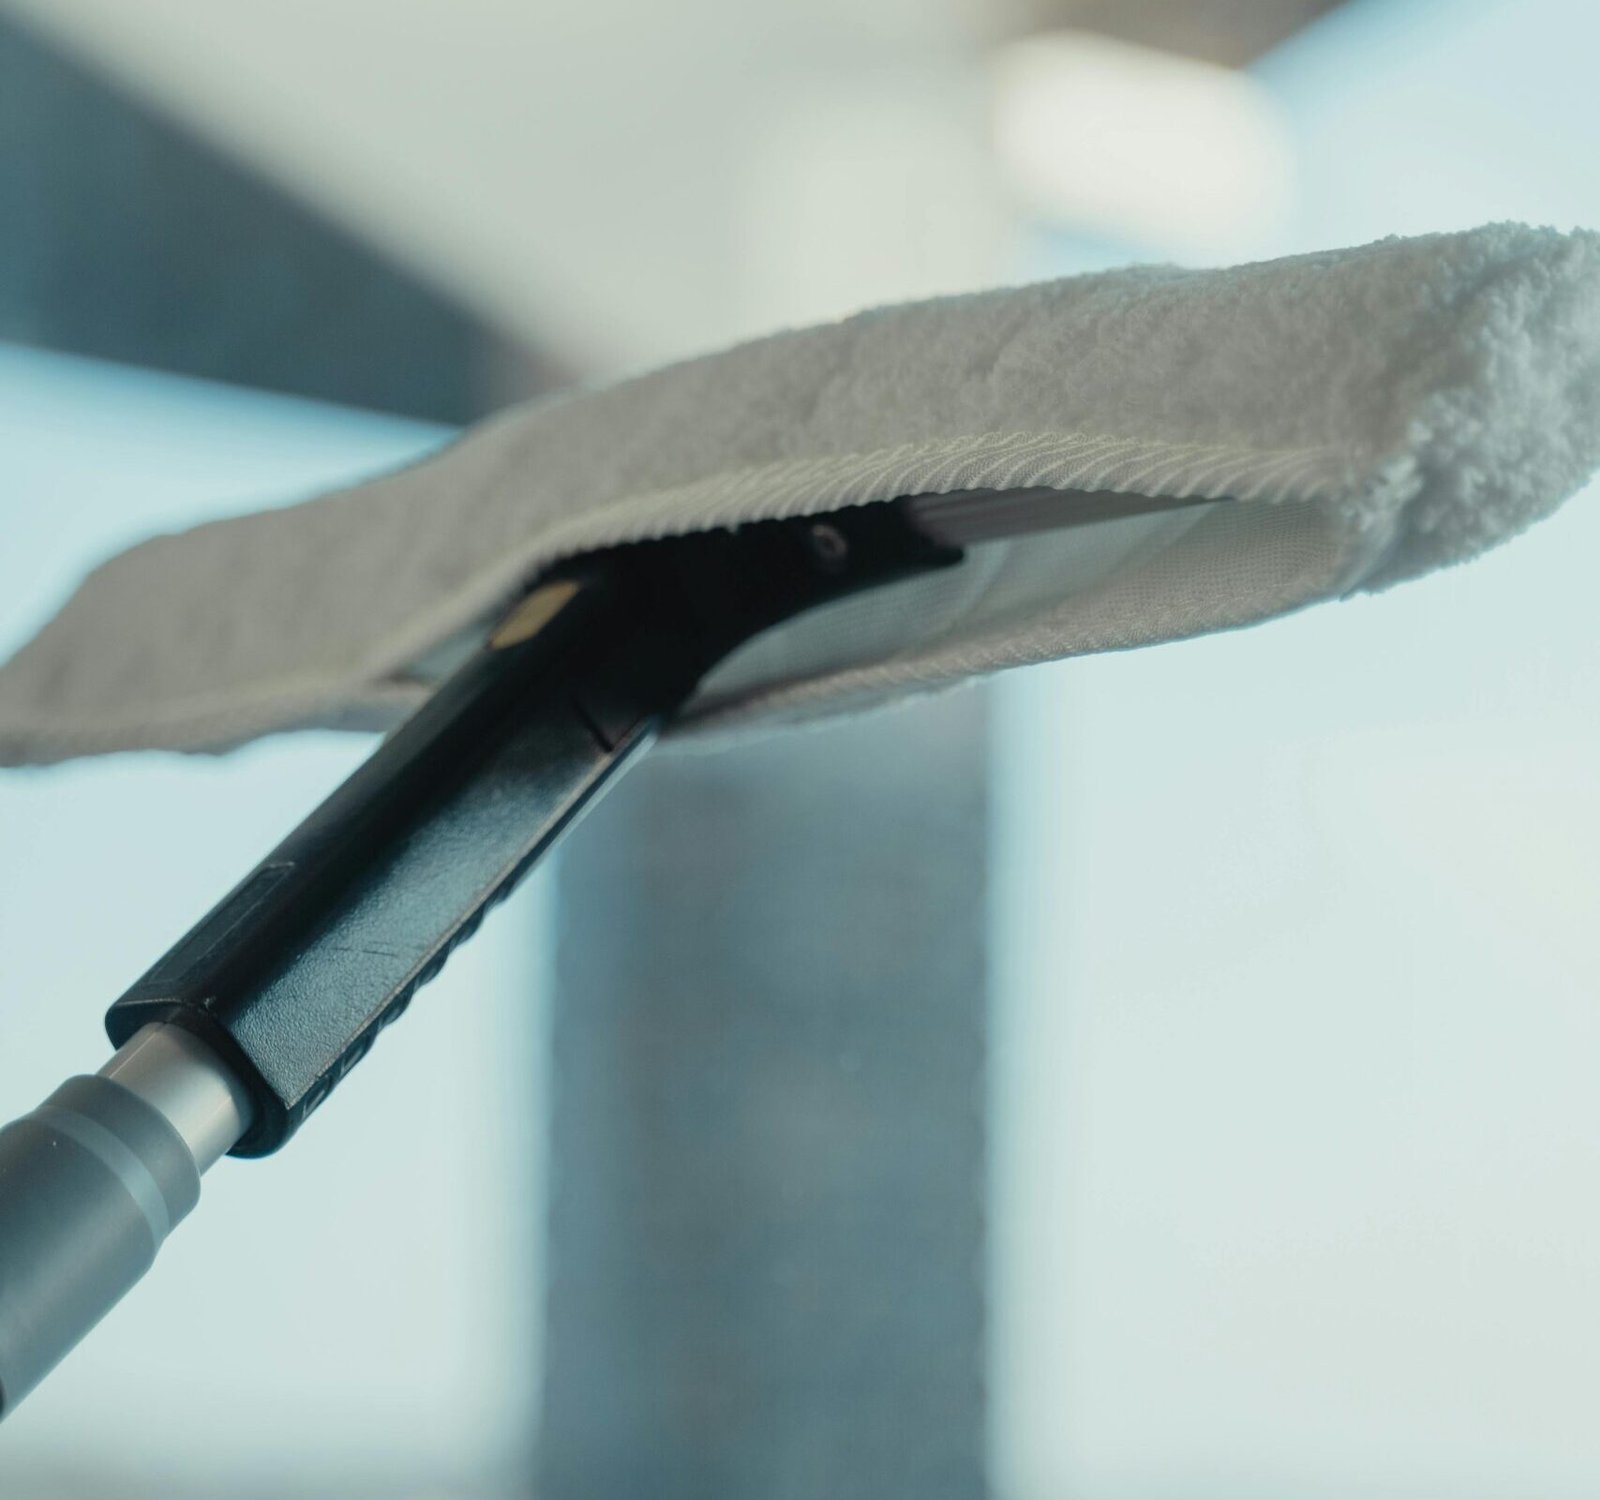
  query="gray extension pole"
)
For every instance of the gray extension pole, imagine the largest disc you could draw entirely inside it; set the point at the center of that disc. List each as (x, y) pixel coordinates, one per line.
(92, 1183)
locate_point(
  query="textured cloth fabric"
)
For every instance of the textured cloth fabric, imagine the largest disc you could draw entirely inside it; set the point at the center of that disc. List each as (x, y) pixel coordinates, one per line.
(1370, 414)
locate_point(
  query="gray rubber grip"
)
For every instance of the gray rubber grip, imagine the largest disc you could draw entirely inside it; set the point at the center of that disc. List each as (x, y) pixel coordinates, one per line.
(91, 1184)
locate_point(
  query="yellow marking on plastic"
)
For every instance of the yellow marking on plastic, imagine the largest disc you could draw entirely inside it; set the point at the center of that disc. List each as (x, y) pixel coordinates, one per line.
(533, 614)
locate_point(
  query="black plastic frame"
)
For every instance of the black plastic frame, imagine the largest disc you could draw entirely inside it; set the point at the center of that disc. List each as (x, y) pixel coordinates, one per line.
(293, 975)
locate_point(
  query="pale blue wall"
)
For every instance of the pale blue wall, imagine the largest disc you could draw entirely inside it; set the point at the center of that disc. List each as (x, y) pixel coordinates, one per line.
(1298, 1125)
(362, 1310)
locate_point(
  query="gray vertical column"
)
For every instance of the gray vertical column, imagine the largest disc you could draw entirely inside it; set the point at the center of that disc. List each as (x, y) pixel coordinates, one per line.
(766, 1229)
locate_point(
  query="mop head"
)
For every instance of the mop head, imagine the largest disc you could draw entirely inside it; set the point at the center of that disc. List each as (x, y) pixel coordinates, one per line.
(1368, 415)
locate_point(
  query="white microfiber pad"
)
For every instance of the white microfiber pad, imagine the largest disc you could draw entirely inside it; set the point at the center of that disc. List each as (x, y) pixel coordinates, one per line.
(1369, 414)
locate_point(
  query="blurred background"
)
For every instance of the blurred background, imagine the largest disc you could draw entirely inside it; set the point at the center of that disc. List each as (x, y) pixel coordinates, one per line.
(1156, 1076)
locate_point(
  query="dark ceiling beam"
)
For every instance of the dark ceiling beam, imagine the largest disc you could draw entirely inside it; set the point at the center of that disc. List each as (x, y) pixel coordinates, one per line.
(1230, 32)
(127, 238)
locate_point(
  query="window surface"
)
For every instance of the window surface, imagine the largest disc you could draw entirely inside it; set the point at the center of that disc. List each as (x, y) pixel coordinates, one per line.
(1297, 1132)
(374, 1296)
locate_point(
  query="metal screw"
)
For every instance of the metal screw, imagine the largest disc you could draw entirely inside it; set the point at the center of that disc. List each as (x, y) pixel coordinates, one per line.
(829, 544)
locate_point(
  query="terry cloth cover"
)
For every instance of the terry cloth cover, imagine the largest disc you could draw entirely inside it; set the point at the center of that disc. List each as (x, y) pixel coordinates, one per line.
(1371, 413)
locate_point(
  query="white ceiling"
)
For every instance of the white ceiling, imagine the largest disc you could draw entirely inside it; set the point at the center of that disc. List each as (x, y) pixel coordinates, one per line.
(623, 181)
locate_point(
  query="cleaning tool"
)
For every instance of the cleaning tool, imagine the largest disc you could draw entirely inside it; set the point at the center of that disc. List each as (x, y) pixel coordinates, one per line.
(819, 521)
